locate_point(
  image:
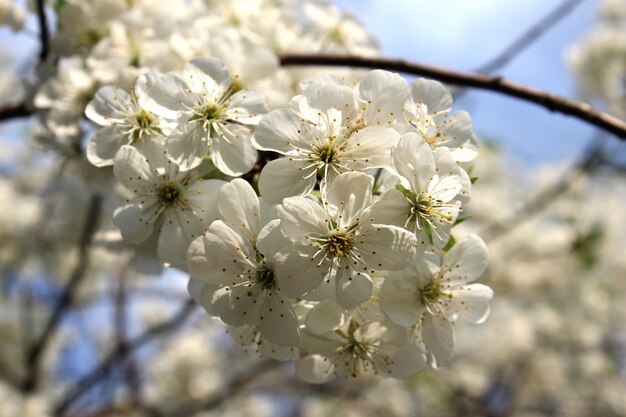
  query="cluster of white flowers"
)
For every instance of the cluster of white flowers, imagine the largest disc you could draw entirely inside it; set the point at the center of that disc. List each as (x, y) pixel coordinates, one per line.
(356, 270)
(313, 212)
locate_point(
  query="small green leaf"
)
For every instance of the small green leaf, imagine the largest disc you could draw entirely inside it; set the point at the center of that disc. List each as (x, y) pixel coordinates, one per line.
(450, 244)
(460, 220)
(473, 179)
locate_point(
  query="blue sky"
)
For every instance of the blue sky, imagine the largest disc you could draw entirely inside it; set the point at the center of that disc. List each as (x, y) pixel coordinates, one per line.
(463, 34)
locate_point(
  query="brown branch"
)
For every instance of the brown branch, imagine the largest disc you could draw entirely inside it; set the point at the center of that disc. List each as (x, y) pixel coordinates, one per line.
(14, 112)
(577, 109)
(115, 357)
(529, 37)
(34, 354)
(44, 33)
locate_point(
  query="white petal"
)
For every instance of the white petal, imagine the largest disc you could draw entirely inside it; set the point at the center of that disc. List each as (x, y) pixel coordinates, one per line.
(232, 150)
(207, 75)
(133, 171)
(179, 230)
(197, 264)
(459, 137)
(103, 146)
(371, 147)
(324, 317)
(385, 94)
(239, 206)
(445, 188)
(414, 160)
(301, 217)
(228, 253)
(285, 177)
(202, 198)
(271, 240)
(247, 107)
(314, 369)
(400, 302)
(386, 248)
(278, 323)
(350, 193)
(127, 219)
(432, 93)
(438, 336)
(187, 145)
(281, 131)
(471, 303)
(298, 274)
(108, 105)
(406, 362)
(393, 208)
(194, 287)
(235, 306)
(167, 96)
(352, 288)
(466, 261)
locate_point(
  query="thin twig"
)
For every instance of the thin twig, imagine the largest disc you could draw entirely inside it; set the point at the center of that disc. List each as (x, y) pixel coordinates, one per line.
(131, 371)
(44, 33)
(591, 159)
(234, 386)
(15, 112)
(580, 110)
(529, 37)
(33, 356)
(117, 356)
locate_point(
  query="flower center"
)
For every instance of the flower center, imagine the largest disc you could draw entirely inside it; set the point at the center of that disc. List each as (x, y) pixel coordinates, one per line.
(169, 194)
(211, 112)
(431, 292)
(265, 278)
(326, 153)
(339, 245)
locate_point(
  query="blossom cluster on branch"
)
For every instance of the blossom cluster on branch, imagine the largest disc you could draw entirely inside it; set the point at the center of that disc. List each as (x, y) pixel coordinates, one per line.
(313, 212)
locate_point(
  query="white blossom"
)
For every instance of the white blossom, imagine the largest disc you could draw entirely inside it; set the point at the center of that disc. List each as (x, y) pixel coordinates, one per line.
(166, 201)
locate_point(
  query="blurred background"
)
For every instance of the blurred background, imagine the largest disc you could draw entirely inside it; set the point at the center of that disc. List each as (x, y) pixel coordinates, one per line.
(91, 328)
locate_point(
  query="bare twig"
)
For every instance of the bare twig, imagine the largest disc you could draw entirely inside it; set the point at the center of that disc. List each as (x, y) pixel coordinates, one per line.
(15, 112)
(44, 33)
(590, 160)
(33, 356)
(529, 37)
(117, 356)
(235, 386)
(580, 110)
(131, 371)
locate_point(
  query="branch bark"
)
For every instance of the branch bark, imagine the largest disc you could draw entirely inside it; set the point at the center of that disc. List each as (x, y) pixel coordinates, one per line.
(34, 354)
(577, 109)
(44, 33)
(117, 356)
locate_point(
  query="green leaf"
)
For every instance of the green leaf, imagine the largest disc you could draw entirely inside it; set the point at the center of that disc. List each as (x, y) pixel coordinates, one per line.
(450, 244)
(460, 220)
(473, 179)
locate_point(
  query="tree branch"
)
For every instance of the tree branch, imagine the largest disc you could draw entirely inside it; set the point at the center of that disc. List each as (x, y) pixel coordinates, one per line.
(14, 112)
(107, 364)
(33, 356)
(577, 109)
(44, 34)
